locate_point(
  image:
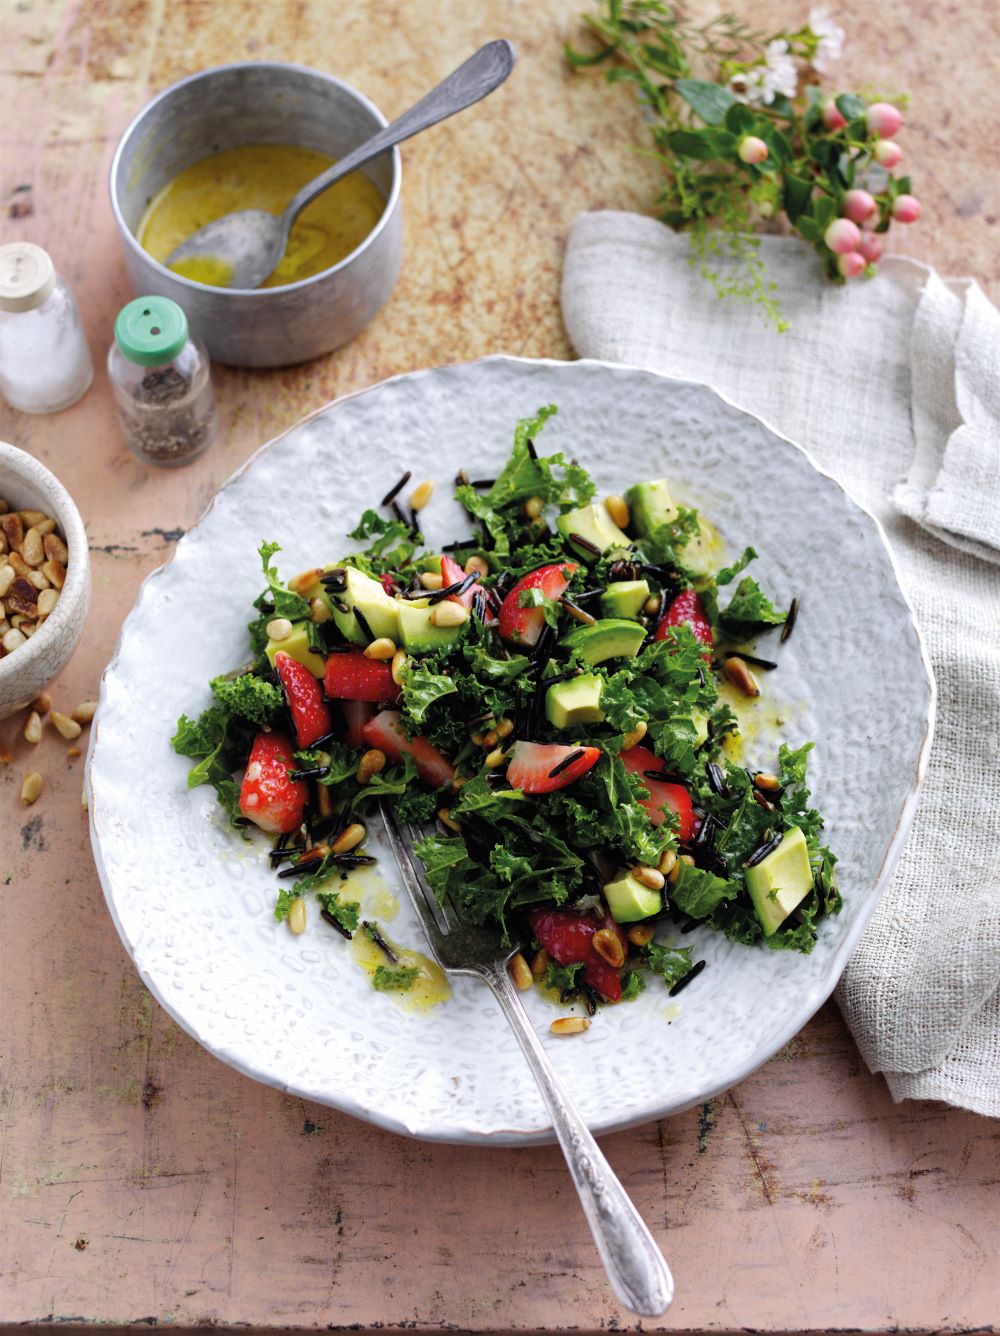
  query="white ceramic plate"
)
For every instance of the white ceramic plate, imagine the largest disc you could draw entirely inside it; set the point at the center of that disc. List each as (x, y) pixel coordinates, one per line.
(194, 908)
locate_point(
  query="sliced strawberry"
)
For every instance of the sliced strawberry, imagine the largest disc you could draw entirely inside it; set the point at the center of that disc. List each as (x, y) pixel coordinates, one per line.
(388, 584)
(662, 793)
(356, 714)
(532, 763)
(452, 573)
(353, 676)
(523, 626)
(568, 938)
(305, 700)
(267, 796)
(385, 731)
(687, 607)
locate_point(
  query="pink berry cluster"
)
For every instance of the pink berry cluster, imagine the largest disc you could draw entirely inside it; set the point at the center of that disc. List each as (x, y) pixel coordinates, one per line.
(856, 245)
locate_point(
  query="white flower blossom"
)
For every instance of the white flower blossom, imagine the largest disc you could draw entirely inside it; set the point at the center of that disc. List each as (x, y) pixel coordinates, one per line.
(830, 42)
(762, 82)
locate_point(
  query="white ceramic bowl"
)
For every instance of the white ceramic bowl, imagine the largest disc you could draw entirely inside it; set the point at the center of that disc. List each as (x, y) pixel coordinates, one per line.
(193, 903)
(28, 485)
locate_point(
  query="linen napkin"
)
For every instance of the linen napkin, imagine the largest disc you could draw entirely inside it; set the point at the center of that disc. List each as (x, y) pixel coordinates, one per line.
(893, 385)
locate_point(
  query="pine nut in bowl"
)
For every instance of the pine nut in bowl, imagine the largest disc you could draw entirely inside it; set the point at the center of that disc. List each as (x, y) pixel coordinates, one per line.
(44, 578)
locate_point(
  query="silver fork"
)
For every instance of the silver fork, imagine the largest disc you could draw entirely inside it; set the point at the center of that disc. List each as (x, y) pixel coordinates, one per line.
(638, 1273)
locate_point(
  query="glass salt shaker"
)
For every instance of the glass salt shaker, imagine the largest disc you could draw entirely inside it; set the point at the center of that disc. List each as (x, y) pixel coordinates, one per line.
(45, 363)
(162, 384)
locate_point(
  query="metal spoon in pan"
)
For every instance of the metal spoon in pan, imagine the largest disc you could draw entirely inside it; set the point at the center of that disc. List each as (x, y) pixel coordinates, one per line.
(248, 245)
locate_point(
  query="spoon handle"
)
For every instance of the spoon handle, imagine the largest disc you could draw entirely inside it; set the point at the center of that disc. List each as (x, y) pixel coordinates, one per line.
(472, 81)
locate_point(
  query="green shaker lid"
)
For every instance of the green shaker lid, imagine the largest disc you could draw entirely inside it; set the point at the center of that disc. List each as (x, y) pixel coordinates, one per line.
(151, 330)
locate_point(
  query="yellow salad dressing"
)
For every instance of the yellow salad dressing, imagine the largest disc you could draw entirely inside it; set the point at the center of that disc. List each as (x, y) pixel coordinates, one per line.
(379, 904)
(262, 176)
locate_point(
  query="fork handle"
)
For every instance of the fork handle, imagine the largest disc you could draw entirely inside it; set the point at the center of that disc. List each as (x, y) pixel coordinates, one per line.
(636, 1268)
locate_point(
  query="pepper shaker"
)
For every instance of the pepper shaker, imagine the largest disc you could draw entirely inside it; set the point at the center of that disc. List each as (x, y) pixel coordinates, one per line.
(162, 383)
(45, 364)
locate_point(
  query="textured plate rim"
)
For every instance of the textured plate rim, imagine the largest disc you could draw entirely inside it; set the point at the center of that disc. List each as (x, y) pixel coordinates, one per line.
(813, 999)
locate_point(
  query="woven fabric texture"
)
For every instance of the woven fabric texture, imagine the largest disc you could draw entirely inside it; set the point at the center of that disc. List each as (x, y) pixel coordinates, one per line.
(893, 385)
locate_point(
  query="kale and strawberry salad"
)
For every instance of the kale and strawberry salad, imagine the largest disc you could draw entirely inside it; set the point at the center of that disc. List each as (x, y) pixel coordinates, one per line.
(550, 698)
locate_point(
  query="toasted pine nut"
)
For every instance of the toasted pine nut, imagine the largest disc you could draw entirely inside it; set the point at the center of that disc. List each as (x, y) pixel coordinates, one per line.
(372, 763)
(12, 639)
(297, 916)
(617, 508)
(47, 600)
(652, 605)
(29, 518)
(73, 753)
(31, 548)
(29, 628)
(490, 739)
(449, 613)
(477, 565)
(769, 783)
(45, 526)
(55, 573)
(20, 566)
(540, 963)
(421, 494)
(304, 579)
(675, 871)
(668, 861)
(686, 858)
(640, 934)
(280, 628)
(519, 973)
(477, 739)
(445, 817)
(31, 788)
(431, 580)
(608, 945)
(350, 839)
(650, 877)
(533, 507)
(569, 1025)
(42, 702)
(505, 727)
(63, 724)
(382, 648)
(319, 610)
(33, 727)
(55, 548)
(496, 758)
(398, 664)
(635, 735)
(37, 578)
(324, 800)
(740, 676)
(7, 577)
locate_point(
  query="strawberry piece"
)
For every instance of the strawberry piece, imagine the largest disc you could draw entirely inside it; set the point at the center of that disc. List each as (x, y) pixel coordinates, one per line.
(310, 715)
(523, 626)
(268, 797)
(452, 573)
(356, 714)
(531, 765)
(662, 793)
(568, 938)
(353, 676)
(385, 731)
(388, 584)
(687, 607)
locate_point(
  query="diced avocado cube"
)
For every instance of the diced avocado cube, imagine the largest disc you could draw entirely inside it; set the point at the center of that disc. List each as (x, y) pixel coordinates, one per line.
(780, 881)
(595, 525)
(577, 700)
(702, 554)
(650, 505)
(628, 900)
(609, 638)
(418, 634)
(296, 646)
(378, 609)
(700, 720)
(624, 598)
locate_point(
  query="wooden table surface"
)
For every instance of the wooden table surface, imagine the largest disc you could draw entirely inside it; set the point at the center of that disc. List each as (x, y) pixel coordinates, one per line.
(142, 1180)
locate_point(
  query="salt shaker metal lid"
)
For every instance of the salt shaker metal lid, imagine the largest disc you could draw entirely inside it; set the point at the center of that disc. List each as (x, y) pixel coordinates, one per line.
(151, 330)
(27, 276)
